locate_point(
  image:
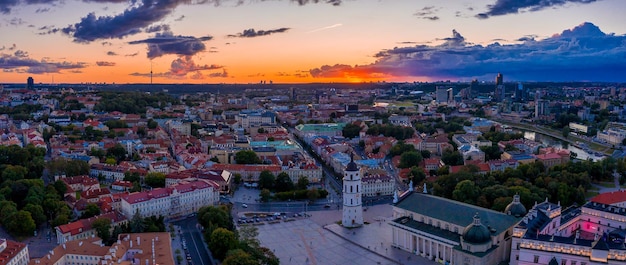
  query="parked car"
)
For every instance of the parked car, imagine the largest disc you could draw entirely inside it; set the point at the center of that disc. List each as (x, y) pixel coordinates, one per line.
(244, 205)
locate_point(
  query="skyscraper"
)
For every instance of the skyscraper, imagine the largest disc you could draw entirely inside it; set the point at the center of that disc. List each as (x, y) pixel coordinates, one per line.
(499, 92)
(442, 95)
(499, 79)
(30, 83)
(472, 88)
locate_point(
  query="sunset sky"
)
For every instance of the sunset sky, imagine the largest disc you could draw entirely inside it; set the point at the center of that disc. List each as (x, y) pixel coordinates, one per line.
(302, 41)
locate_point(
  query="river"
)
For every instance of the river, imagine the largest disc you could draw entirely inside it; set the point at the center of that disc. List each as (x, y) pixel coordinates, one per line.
(553, 142)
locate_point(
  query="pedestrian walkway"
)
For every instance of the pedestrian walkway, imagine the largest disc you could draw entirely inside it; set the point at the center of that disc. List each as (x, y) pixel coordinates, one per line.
(320, 240)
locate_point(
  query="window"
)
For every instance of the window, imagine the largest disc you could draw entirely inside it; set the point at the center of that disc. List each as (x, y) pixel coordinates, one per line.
(350, 188)
(573, 262)
(583, 263)
(516, 257)
(536, 259)
(563, 262)
(517, 245)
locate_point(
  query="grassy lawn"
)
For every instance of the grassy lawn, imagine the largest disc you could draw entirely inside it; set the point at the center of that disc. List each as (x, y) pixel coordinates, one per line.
(405, 104)
(591, 193)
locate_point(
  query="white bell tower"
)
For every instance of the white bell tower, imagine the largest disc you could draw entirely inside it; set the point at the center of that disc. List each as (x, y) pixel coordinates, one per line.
(352, 188)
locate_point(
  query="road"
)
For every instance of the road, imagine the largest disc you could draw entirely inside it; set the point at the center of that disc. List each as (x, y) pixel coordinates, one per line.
(195, 243)
(571, 139)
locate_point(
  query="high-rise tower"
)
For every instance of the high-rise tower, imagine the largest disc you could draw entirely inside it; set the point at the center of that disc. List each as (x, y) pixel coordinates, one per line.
(352, 188)
(30, 83)
(500, 90)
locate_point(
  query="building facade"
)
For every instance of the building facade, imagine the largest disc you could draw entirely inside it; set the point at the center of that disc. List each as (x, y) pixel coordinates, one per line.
(451, 232)
(171, 202)
(13, 253)
(587, 235)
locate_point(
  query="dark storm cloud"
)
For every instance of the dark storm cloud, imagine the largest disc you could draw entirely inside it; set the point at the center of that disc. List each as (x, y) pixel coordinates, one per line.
(157, 28)
(222, 74)
(580, 54)
(21, 54)
(45, 30)
(504, 7)
(428, 13)
(20, 62)
(180, 67)
(104, 63)
(7, 5)
(251, 33)
(167, 43)
(130, 22)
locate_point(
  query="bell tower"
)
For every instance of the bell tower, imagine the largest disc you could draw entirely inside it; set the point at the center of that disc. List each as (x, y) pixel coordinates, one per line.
(352, 189)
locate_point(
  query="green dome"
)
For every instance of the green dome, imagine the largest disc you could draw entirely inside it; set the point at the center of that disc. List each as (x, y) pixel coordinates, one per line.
(515, 208)
(476, 233)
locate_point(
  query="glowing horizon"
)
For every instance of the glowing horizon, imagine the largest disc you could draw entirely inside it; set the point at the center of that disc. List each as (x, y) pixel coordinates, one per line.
(113, 41)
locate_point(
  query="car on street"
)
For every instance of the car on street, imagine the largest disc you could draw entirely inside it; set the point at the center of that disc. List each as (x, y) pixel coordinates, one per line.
(244, 205)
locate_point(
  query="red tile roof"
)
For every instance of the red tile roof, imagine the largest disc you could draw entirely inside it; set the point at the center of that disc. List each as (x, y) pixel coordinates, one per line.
(13, 248)
(610, 197)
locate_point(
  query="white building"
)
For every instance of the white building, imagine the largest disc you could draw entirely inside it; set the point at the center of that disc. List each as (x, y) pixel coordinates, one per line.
(614, 134)
(352, 189)
(378, 185)
(82, 229)
(13, 253)
(587, 235)
(174, 201)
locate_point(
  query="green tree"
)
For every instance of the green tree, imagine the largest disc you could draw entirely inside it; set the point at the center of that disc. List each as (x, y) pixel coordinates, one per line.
(103, 228)
(221, 241)
(91, 210)
(452, 158)
(265, 195)
(350, 131)
(266, 180)
(36, 212)
(152, 124)
(466, 191)
(410, 159)
(212, 217)
(239, 257)
(303, 183)
(491, 152)
(117, 151)
(247, 157)
(21, 224)
(283, 182)
(155, 180)
(417, 175)
(12, 172)
(237, 178)
(215, 159)
(137, 224)
(312, 194)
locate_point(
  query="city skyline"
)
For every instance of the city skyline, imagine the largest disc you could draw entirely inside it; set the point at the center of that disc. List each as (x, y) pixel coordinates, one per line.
(301, 41)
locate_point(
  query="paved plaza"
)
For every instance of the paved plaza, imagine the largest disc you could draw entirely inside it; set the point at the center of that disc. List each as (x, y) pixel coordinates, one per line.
(320, 240)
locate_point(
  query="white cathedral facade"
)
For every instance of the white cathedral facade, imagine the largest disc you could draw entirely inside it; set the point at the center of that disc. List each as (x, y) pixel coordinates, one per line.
(352, 189)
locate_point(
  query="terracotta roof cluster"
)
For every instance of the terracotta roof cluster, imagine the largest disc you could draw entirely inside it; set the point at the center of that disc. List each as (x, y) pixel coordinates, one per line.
(12, 249)
(83, 225)
(610, 197)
